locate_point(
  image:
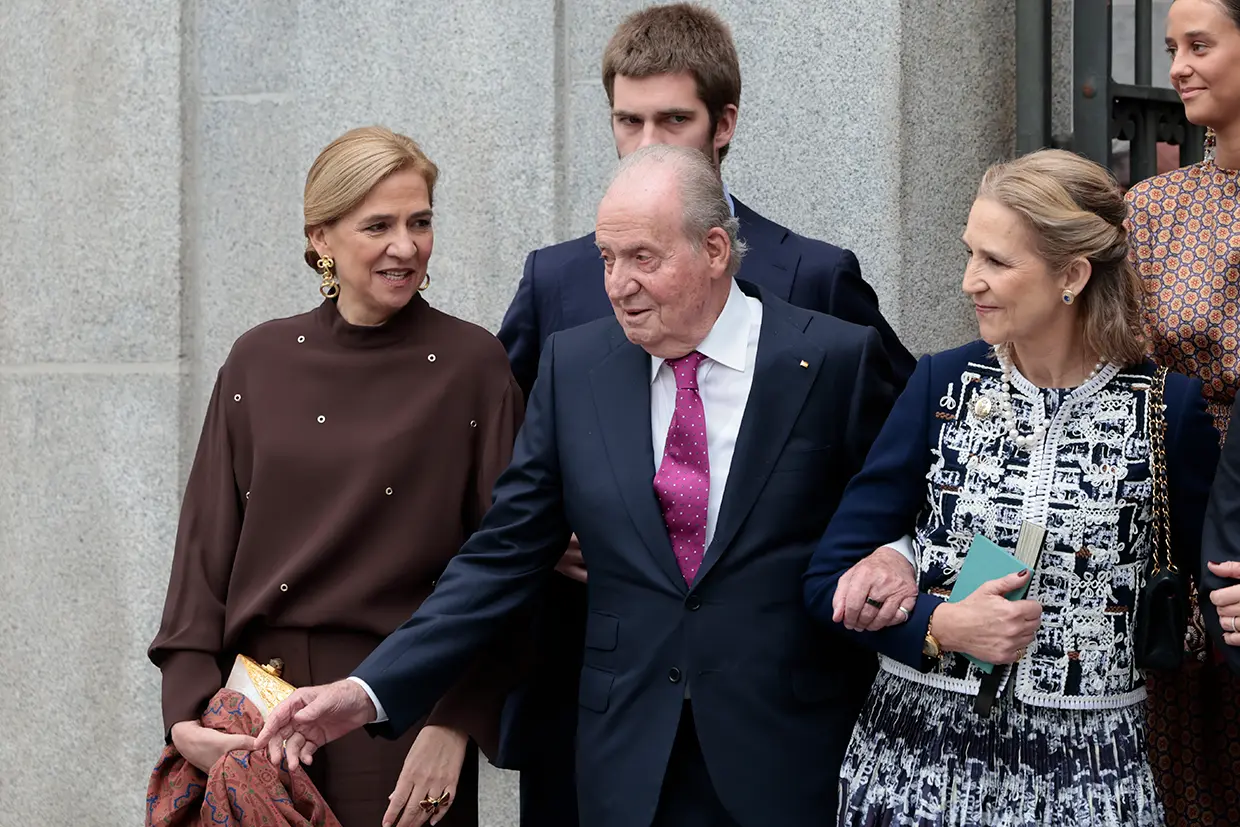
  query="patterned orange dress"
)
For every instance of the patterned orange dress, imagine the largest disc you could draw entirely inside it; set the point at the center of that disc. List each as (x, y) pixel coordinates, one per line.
(1185, 235)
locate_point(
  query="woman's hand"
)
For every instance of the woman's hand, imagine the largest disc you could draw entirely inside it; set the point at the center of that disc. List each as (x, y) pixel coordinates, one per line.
(202, 747)
(885, 578)
(986, 624)
(1227, 601)
(432, 769)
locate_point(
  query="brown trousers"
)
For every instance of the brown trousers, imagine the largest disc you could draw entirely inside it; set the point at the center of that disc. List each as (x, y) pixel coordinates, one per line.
(355, 774)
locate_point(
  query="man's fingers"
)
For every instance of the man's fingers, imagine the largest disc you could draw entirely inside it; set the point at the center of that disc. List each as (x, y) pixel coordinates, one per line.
(281, 718)
(307, 753)
(275, 752)
(854, 601)
(838, 599)
(906, 608)
(1225, 597)
(311, 712)
(1228, 568)
(292, 750)
(888, 615)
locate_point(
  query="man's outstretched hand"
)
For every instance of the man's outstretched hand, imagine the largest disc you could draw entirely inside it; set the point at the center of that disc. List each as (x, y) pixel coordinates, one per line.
(312, 716)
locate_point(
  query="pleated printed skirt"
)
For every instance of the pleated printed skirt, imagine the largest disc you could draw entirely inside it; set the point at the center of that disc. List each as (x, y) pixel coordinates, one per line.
(921, 757)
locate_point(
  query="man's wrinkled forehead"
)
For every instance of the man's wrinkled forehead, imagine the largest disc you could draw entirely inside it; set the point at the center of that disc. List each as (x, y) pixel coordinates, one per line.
(638, 197)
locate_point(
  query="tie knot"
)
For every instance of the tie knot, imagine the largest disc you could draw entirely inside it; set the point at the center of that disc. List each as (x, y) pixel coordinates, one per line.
(686, 368)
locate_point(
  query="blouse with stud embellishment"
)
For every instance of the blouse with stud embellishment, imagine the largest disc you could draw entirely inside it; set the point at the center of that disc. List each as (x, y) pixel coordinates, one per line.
(345, 469)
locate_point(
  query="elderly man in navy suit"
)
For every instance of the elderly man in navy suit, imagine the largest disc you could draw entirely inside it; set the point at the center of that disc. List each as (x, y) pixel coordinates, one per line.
(697, 441)
(672, 76)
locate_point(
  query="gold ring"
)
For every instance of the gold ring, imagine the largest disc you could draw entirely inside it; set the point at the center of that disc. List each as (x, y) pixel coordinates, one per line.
(1233, 624)
(430, 805)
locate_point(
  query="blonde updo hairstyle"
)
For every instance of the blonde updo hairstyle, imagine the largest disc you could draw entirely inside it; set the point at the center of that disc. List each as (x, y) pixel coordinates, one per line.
(1076, 210)
(350, 167)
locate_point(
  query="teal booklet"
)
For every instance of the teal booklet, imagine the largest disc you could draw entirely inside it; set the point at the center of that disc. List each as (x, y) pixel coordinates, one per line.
(984, 562)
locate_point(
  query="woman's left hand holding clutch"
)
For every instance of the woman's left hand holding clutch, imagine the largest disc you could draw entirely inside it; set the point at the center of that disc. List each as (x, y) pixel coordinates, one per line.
(428, 781)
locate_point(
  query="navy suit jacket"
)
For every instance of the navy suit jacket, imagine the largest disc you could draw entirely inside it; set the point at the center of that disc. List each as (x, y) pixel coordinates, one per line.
(774, 696)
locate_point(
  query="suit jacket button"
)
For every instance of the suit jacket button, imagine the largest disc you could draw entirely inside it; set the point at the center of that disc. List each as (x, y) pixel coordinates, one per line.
(673, 675)
(693, 602)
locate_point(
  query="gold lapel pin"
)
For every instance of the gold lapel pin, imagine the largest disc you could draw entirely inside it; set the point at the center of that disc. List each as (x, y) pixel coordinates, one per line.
(804, 363)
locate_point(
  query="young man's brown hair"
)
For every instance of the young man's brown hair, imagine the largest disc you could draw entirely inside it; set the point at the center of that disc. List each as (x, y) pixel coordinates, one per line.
(674, 39)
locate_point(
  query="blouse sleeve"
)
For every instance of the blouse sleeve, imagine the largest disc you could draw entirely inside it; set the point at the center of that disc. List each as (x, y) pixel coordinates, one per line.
(475, 702)
(881, 502)
(1220, 539)
(190, 634)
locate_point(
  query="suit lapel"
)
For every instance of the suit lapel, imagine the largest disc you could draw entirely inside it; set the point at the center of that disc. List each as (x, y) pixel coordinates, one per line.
(583, 292)
(780, 385)
(767, 264)
(620, 385)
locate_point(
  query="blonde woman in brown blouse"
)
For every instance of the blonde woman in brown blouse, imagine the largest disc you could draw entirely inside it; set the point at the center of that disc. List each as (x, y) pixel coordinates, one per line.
(346, 455)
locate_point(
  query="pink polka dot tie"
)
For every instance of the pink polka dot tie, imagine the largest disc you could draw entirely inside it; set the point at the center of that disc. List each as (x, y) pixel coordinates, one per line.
(683, 482)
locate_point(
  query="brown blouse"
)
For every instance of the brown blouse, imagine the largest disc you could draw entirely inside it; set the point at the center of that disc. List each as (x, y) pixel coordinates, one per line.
(339, 469)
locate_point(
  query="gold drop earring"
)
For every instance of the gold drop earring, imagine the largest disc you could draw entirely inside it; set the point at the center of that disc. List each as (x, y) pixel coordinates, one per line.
(330, 286)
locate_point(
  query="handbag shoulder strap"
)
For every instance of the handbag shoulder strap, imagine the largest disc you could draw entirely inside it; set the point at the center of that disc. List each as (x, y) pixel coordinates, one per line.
(1156, 422)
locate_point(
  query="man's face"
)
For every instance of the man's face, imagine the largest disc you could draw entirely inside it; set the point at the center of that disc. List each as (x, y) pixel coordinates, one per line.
(664, 292)
(665, 109)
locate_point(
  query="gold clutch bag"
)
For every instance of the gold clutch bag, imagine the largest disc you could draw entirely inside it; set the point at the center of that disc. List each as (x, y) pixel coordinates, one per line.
(261, 684)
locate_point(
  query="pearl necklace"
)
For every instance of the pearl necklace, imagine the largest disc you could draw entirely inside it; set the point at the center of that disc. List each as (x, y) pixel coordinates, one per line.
(1006, 411)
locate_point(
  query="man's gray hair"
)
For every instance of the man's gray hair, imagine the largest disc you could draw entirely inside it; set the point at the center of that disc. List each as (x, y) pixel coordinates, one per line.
(702, 199)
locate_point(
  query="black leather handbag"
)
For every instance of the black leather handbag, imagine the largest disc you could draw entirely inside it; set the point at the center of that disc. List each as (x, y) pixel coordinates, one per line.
(1164, 605)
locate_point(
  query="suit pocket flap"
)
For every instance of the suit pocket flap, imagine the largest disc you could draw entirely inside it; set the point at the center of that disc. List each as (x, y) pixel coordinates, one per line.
(602, 631)
(595, 690)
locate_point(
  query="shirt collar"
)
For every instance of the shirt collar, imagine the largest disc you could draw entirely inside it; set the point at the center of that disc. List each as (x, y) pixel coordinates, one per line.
(728, 338)
(727, 194)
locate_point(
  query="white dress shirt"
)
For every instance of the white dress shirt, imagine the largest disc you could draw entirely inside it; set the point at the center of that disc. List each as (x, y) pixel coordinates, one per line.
(724, 379)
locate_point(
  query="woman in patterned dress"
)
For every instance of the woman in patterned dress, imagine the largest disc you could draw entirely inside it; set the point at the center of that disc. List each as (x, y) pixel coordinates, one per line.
(1043, 423)
(1185, 229)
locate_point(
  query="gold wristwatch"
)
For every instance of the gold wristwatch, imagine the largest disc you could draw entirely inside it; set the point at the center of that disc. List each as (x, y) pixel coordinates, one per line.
(930, 648)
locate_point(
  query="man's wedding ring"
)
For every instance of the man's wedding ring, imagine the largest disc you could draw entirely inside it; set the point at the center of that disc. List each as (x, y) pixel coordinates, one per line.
(1233, 624)
(907, 613)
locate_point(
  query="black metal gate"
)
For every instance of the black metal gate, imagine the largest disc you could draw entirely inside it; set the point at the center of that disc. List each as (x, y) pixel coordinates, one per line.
(1102, 110)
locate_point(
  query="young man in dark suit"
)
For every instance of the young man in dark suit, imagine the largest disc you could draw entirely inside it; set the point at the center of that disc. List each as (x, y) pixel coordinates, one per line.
(672, 76)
